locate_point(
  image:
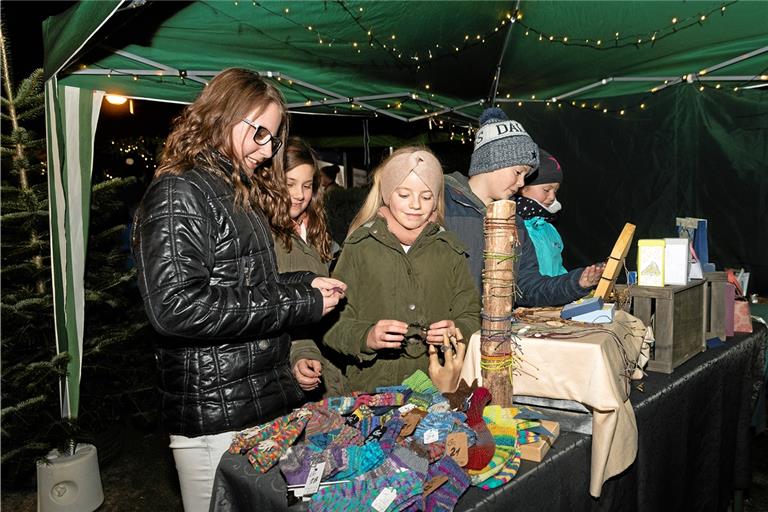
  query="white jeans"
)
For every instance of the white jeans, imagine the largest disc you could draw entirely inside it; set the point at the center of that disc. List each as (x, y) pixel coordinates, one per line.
(196, 461)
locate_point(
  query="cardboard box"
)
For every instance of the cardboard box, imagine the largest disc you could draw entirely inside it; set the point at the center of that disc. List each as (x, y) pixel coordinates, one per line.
(535, 452)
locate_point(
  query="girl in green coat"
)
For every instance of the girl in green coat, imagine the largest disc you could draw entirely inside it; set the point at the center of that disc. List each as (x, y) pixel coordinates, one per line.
(408, 280)
(308, 248)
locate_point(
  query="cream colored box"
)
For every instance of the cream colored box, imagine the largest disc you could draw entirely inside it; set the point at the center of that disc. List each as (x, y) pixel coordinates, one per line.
(677, 262)
(650, 262)
(535, 452)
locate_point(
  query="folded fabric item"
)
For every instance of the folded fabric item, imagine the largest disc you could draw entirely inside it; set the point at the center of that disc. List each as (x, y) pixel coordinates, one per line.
(420, 400)
(408, 459)
(266, 443)
(432, 451)
(388, 399)
(445, 497)
(435, 426)
(502, 426)
(298, 459)
(340, 404)
(527, 437)
(419, 382)
(402, 488)
(361, 459)
(481, 453)
(441, 406)
(393, 389)
(323, 420)
(343, 437)
(392, 429)
(368, 424)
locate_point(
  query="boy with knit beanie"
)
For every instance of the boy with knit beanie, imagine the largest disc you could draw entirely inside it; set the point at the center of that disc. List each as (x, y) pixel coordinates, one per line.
(504, 155)
(537, 204)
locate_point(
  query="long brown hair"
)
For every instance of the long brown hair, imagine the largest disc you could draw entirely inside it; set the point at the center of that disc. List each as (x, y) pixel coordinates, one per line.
(298, 152)
(202, 133)
(374, 200)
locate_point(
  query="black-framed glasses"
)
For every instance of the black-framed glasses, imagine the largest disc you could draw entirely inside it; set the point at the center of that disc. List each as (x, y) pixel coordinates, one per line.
(262, 136)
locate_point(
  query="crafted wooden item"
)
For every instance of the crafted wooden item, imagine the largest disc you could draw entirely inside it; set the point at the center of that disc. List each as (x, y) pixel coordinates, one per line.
(715, 300)
(536, 451)
(676, 314)
(496, 350)
(615, 262)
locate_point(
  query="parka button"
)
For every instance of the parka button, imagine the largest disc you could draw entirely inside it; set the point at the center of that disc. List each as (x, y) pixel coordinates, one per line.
(412, 307)
(263, 344)
(375, 231)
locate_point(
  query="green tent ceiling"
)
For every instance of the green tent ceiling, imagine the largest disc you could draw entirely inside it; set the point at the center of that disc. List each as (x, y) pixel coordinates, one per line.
(410, 59)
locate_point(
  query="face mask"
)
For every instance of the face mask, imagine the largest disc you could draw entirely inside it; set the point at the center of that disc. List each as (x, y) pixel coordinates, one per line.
(554, 207)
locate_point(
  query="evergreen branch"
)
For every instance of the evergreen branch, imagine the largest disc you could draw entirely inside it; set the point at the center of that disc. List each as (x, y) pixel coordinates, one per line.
(22, 215)
(32, 113)
(22, 405)
(27, 447)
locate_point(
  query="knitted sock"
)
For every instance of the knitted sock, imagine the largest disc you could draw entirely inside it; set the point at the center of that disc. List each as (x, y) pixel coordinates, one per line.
(340, 404)
(408, 459)
(420, 400)
(323, 421)
(507, 473)
(393, 389)
(361, 459)
(481, 453)
(388, 439)
(444, 498)
(441, 406)
(438, 424)
(502, 426)
(389, 399)
(419, 382)
(277, 437)
(360, 494)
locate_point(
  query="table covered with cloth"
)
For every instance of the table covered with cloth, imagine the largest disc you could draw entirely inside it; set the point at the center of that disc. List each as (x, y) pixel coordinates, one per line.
(591, 364)
(693, 449)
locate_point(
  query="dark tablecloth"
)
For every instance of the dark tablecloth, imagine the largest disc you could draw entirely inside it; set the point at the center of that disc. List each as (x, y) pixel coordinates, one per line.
(693, 451)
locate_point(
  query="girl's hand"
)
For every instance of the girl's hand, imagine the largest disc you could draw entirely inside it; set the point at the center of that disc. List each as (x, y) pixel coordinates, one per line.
(591, 275)
(307, 373)
(446, 376)
(333, 291)
(438, 329)
(386, 334)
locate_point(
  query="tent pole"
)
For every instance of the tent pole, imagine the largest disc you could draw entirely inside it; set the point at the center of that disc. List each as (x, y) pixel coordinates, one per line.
(497, 76)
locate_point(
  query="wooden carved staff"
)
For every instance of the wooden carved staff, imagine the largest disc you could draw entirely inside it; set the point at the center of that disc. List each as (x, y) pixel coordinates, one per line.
(496, 349)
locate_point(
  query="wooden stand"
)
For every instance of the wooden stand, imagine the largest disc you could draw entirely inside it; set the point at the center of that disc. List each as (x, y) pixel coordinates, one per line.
(676, 314)
(615, 262)
(496, 348)
(714, 310)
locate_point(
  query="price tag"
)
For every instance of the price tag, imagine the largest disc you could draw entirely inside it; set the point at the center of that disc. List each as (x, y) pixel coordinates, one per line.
(411, 420)
(456, 447)
(384, 499)
(406, 409)
(313, 478)
(433, 484)
(431, 435)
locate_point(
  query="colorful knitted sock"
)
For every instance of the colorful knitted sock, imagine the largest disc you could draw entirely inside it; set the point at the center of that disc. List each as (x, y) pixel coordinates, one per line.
(420, 400)
(502, 426)
(441, 406)
(481, 453)
(360, 494)
(408, 459)
(507, 473)
(340, 404)
(436, 426)
(393, 389)
(280, 435)
(432, 451)
(389, 399)
(419, 382)
(298, 460)
(346, 436)
(323, 421)
(444, 498)
(361, 459)
(388, 439)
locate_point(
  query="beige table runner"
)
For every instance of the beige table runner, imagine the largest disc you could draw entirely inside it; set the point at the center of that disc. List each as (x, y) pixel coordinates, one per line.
(593, 367)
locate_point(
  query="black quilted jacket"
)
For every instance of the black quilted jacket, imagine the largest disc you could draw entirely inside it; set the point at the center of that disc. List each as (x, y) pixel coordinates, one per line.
(208, 276)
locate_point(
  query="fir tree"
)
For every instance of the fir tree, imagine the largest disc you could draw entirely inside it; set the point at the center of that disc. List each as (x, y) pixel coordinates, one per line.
(117, 373)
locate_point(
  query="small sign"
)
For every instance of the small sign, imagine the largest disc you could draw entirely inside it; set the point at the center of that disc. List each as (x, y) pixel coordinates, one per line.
(456, 447)
(314, 478)
(412, 420)
(405, 409)
(384, 499)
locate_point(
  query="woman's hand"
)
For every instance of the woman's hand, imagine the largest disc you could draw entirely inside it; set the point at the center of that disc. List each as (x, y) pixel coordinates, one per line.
(307, 373)
(445, 377)
(332, 290)
(386, 334)
(591, 275)
(438, 329)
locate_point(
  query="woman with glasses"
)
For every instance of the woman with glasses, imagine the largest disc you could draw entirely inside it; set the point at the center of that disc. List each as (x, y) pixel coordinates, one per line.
(208, 275)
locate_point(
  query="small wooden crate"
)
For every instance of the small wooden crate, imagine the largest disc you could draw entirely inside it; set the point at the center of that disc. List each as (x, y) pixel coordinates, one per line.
(714, 297)
(676, 314)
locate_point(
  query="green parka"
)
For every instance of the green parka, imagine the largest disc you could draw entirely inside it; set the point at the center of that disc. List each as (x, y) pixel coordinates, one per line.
(304, 341)
(429, 283)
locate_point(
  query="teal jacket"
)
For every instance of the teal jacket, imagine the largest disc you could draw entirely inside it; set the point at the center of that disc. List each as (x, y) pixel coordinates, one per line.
(548, 244)
(429, 283)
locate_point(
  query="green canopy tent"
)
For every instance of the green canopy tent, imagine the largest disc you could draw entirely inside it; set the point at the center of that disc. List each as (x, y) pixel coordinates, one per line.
(410, 61)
